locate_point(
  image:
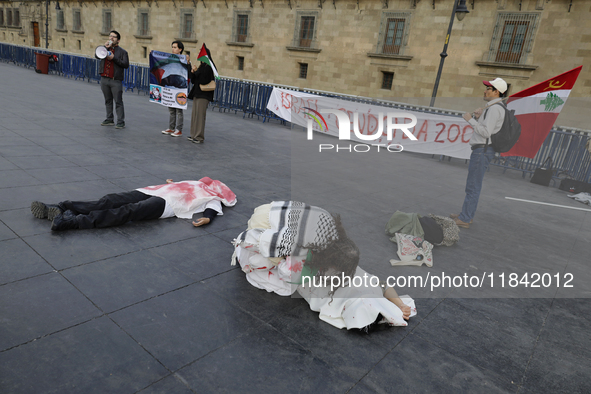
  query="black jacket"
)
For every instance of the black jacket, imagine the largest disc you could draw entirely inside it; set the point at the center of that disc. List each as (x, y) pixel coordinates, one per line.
(202, 76)
(121, 61)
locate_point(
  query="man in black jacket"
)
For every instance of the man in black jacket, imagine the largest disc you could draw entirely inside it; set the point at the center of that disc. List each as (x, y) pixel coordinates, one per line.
(112, 69)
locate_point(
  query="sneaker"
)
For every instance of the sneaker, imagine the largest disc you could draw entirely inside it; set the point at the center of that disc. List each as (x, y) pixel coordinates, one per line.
(167, 131)
(52, 212)
(190, 138)
(44, 211)
(197, 141)
(457, 215)
(65, 221)
(120, 125)
(177, 133)
(108, 122)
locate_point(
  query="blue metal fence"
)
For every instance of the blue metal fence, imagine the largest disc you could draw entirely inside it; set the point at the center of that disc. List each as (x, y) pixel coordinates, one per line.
(567, 151)
(565, 147)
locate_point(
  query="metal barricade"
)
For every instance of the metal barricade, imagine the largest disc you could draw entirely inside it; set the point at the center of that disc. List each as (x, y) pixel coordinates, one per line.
(570, 158)
(73, 66)
(142, 79)
(91, 70)
(129, 77)
(566, 148)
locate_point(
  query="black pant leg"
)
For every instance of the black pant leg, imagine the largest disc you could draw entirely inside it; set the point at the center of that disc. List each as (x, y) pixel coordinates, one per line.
(110, 201)
(150, 208)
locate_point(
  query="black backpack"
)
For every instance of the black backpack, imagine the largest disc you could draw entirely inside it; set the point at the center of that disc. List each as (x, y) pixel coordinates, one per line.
(509, 134)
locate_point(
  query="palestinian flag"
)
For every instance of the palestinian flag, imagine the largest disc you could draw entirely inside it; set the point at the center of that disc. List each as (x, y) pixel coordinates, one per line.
(205, 59)
(537, 108)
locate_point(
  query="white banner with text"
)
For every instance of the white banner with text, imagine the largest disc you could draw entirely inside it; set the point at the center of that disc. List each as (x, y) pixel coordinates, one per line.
(374, 125)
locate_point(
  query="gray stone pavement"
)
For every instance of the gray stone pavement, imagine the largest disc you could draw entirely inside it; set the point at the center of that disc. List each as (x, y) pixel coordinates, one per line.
(156, 307)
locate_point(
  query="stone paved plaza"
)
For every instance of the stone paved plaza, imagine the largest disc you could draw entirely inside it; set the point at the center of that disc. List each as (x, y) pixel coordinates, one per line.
(156, 307)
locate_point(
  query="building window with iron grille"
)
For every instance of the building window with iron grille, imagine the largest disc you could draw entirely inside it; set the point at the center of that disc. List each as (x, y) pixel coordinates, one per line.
(16, 18)
(513, 37)
(241, 29)
(77, 18)
(8, 17)
(305, 29)
(60, 22)
(241, 26)
(187, 24)
(393, 35)
(1, 17)
(107, 21)
(387, 79)
(306, 35)
(303, 71)
(143, 22)
(240, 63)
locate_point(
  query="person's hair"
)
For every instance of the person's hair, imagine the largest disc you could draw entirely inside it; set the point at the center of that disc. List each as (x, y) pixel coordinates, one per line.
(338, 255)
(501, 95)
(116, 32)
(180, 45)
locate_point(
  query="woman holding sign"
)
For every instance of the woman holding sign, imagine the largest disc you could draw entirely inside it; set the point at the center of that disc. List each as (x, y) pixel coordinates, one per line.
(203, 79)
(176, 118)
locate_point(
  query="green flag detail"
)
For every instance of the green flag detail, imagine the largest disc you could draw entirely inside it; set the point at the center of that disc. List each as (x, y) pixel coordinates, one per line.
(552, 102)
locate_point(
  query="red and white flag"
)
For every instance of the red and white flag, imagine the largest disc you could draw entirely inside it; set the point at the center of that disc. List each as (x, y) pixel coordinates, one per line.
(537, 108)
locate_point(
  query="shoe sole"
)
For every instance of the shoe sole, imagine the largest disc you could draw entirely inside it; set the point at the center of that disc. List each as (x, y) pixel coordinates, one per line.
(166, 133)
(39, 210)
(108, 124)
(197, 142)
(119, 127)
(53, 212)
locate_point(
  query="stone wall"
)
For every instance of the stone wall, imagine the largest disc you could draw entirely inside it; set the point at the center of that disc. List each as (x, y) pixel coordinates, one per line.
(347, 32)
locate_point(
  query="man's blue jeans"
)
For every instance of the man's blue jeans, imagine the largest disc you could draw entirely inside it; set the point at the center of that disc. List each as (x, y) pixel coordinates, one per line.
(479, 161)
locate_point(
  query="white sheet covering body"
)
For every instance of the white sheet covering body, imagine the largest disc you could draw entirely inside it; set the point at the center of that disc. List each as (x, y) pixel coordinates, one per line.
(350, 307)
(188, 197)
(355, 306)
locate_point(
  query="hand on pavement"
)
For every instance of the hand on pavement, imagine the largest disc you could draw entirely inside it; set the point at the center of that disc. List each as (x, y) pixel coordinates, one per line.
(200, 222)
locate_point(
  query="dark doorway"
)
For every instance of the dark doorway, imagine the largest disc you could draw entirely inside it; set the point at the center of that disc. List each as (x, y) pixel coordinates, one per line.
(36, 38)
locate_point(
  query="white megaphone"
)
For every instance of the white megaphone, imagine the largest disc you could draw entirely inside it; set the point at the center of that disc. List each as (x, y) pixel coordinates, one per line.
(101, 52)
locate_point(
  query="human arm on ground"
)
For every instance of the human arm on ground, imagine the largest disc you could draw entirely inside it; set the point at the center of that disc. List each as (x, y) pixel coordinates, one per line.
(392, 296)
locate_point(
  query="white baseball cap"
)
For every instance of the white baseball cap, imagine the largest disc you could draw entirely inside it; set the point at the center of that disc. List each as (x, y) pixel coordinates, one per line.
(498, 84)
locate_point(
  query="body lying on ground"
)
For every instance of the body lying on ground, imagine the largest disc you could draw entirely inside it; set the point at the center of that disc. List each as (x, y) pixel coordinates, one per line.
(293, 247)
(180, 199)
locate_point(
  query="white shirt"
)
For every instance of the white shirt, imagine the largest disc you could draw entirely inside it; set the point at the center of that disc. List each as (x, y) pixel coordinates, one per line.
(484, 128)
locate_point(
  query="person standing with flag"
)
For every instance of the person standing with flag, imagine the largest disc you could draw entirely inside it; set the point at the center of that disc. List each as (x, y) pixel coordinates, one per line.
(485, 122)
(201, 96)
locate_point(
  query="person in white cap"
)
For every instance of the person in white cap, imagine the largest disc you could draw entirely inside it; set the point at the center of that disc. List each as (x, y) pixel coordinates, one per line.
(485, 122)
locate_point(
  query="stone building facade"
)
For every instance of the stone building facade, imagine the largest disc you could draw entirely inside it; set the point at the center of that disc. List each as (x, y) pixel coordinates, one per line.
(373, 48)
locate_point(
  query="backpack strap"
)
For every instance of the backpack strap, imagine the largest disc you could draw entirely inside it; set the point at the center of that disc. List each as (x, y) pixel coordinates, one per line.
(484, 117)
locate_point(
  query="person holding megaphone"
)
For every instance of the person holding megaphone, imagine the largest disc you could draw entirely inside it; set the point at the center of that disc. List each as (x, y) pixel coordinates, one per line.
(114, 61)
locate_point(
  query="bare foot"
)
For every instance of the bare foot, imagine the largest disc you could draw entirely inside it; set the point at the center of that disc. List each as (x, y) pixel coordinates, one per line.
(202, 221)
(405, 311)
